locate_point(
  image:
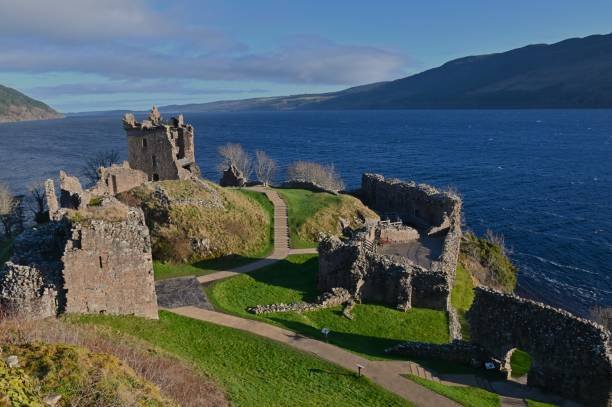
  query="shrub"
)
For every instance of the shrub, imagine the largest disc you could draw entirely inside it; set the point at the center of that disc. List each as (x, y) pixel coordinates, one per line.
(265, 167)
(322, 175)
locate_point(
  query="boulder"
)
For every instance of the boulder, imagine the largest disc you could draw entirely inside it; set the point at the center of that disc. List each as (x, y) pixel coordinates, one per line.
(233, 177)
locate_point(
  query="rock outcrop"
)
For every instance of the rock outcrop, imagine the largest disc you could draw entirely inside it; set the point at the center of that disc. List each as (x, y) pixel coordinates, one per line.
(232, 177)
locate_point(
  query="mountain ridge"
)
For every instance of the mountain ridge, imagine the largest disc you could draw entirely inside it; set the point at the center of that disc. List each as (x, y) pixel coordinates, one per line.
(16, 106)
(572, 73)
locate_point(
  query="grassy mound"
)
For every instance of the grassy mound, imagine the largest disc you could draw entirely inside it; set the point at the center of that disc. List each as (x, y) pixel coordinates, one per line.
(197, 220)
(373, 329)
(311, 213)
(487, 262)
(254, 371)
(79, 376)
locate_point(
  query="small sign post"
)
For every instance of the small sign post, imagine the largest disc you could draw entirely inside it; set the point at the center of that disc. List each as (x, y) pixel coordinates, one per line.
(359, 367)
(325, 332)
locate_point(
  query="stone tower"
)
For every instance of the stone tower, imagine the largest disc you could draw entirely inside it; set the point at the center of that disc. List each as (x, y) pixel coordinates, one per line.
(162, 150)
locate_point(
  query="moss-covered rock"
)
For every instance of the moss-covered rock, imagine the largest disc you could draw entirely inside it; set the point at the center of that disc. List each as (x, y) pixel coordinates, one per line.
(487, 262)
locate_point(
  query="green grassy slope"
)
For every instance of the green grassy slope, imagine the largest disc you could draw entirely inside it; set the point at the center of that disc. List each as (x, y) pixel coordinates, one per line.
(374, 328)
(15, 106)
(313, 212)
(253, 370)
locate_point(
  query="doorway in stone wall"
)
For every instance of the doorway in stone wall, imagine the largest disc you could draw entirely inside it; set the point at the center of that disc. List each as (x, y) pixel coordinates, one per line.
(518, 364)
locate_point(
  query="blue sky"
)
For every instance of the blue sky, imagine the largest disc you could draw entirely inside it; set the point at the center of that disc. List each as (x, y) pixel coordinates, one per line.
(80, 55)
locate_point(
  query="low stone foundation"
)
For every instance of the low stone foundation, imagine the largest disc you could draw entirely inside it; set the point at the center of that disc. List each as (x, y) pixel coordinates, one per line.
(337, 296)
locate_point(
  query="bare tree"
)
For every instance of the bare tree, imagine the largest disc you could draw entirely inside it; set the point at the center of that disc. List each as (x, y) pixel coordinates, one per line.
(89, 171)
(265, 167)
(322, 175)
(8, 204)
(234, 154)
(37, 202)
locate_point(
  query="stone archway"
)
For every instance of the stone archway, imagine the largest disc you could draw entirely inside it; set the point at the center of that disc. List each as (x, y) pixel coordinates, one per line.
(570, 356)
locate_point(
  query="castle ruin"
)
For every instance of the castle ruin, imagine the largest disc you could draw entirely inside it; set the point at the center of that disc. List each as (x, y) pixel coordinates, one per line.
(407, 260)
(159, 149)
(94, 256)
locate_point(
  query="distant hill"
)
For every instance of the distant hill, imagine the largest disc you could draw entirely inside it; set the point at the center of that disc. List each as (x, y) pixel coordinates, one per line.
(15, 107)
(575, 73)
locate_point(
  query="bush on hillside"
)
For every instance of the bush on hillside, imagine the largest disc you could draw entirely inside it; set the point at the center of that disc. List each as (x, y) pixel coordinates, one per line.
(322, 175)
(486, 258)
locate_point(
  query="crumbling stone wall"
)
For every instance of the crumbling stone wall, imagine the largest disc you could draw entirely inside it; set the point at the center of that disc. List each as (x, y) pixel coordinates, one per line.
(370, 276)
(118, 178)
(108, 267)
(86, 260)
(418, 204)
(570, 355)
(162, 150)
(459, 352)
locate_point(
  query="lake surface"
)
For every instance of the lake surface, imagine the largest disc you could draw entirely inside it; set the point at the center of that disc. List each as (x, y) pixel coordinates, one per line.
(542, 178)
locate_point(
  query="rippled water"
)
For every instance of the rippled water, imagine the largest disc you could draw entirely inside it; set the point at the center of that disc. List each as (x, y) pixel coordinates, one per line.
(542, 178)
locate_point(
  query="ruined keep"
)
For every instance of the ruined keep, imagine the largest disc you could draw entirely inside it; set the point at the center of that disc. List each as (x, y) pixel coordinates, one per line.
(162, 150)
(405, 263)
(570, 356)
(93, 257)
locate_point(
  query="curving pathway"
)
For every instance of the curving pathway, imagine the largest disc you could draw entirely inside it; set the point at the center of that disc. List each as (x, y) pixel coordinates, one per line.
(387, 374)
(281, 241)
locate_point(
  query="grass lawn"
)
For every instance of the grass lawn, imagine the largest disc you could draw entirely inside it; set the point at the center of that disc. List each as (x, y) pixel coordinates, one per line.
(464, 395)
(252, 370)
(314, 212)
(532, 403)
(374, 328)
(163, 270)
(462, 297)
(520, 363)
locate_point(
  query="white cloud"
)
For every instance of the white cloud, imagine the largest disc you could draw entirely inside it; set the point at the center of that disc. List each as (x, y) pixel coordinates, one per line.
(129, 40)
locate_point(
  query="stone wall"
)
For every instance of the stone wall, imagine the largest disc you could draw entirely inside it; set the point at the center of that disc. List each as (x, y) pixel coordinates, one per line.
(91, 260)
(459, 352)
(418, 204)
(108, 267)
(570, 355)
(118, 178)
(162, 150)
(370, 276)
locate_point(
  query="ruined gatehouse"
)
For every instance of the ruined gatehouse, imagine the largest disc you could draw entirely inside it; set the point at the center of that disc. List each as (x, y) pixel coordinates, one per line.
(407, 260)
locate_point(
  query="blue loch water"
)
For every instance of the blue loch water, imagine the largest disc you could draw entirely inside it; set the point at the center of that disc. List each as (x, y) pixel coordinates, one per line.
(542, 178)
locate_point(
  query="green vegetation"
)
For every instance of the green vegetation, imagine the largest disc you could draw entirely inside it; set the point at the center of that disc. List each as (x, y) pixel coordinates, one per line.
(462, 297)
(95, 201)
(6, 250)
(487, 261)
(79, 376)
(532, 403)
(199, 226)
(311, 213)
(373, 329)
(253, 370)
(163, 270)
(520, 363)
(464, 395)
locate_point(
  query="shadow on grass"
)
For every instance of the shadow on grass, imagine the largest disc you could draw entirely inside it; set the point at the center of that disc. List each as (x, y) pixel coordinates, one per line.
(171, 270)
(301, 277)
(362, 344)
